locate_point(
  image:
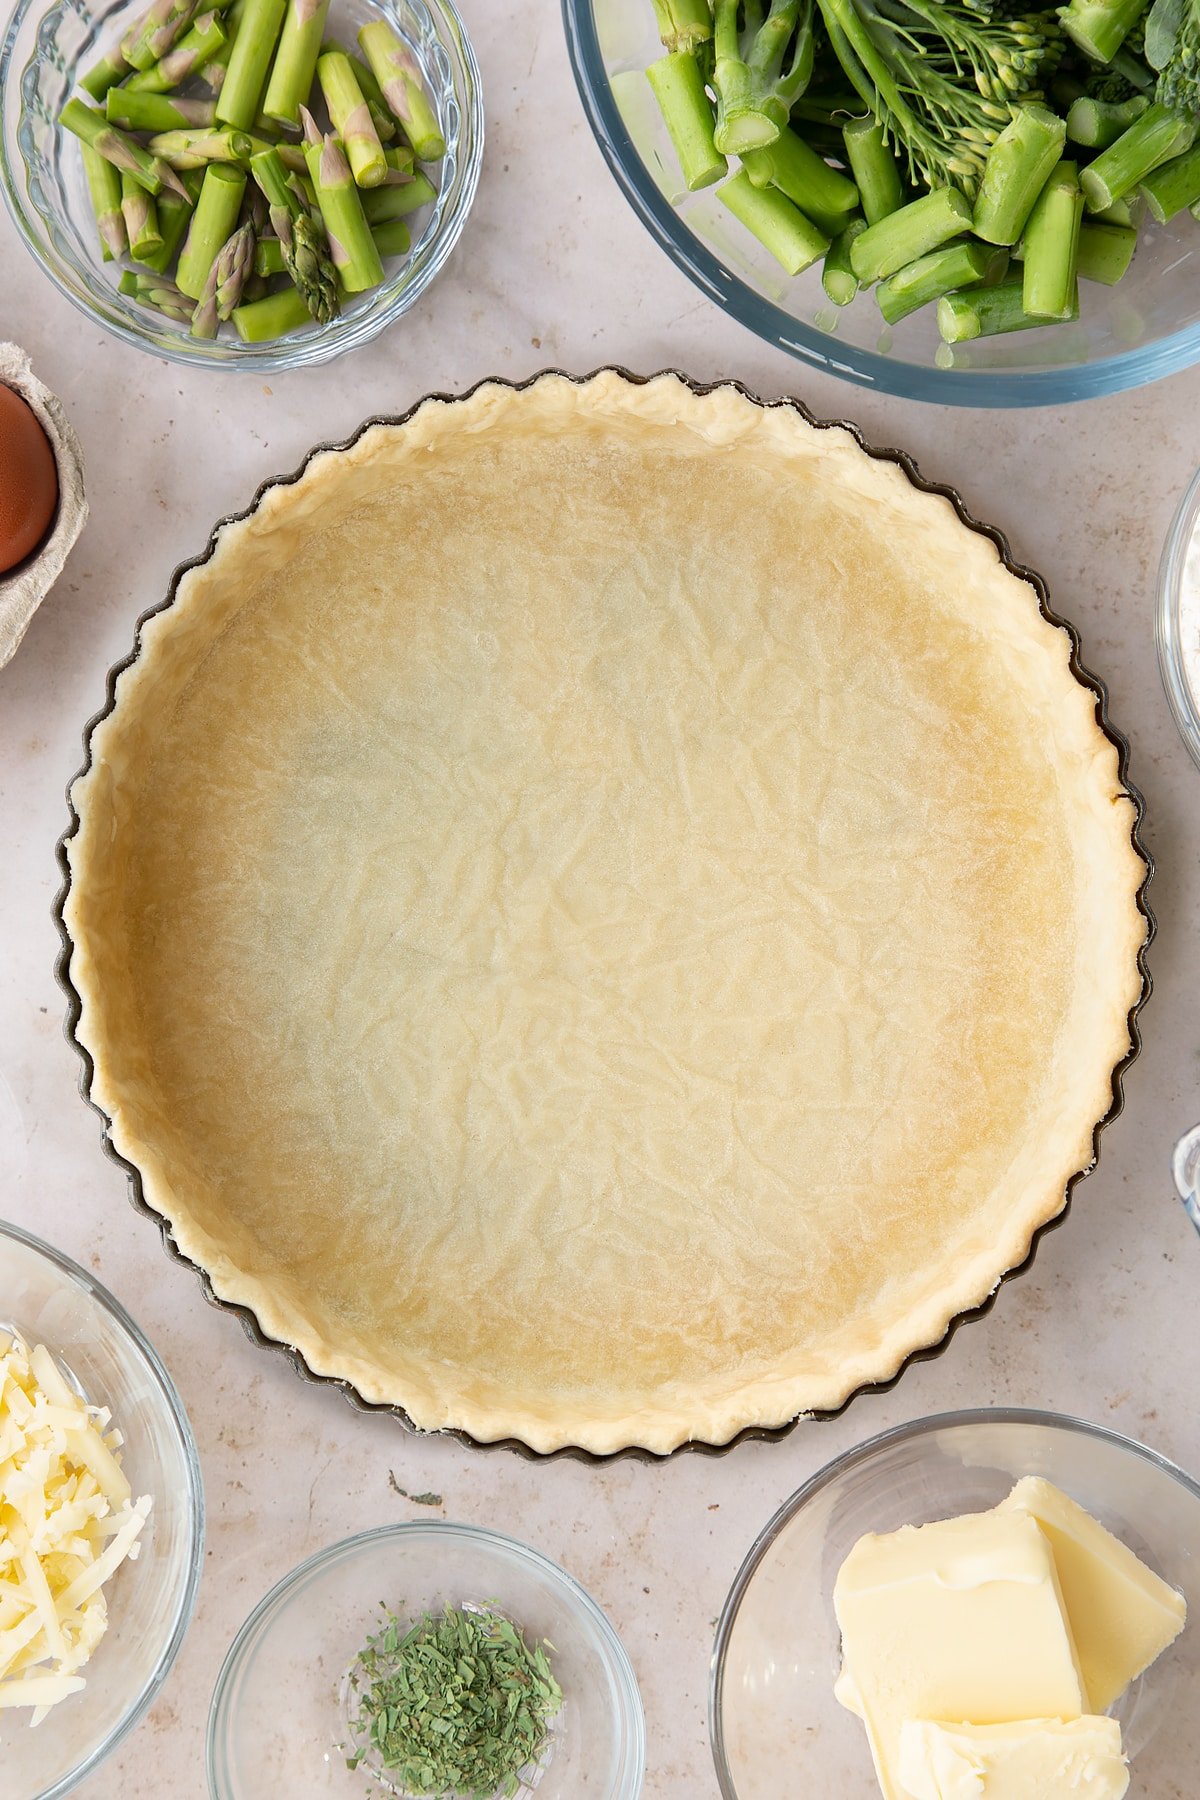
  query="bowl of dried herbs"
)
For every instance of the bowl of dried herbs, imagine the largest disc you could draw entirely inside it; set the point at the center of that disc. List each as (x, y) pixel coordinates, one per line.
(427, 1659)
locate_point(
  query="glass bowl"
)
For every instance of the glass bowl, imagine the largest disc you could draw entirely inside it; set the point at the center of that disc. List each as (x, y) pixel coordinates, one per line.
(52, 1301)
(45, 49)
(278, 1722)
(1177, 620)
(777, 1730)
(1145, 327)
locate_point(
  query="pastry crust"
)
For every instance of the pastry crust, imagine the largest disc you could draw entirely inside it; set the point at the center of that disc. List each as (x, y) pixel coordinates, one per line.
(603, 915)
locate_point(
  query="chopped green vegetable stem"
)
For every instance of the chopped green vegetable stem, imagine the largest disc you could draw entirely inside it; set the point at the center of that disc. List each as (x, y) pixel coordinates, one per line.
(399, 78)
(261, 321)
(1052, 246)
(295, 61)
(253, 48)
(837, 274)
(1173, 186)
(1105, 252)
(688, 115)
(1019, 164)
(1155, 138)
(905, 235)
(793, 240)
(941, 272)
(823, 194)
(212, 223)
(104, 186)
(351, 118)
(875, 169)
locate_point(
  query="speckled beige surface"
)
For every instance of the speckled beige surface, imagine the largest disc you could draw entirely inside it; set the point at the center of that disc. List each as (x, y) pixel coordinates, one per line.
(555, 269)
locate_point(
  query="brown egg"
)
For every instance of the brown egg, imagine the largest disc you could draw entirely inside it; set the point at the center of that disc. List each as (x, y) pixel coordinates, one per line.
(28, 480)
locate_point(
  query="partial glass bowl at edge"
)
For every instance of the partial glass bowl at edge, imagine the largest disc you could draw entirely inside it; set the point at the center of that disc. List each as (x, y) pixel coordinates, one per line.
(52, 1301)
(777, 1730)
(279, 1719)
(45, 50)
(1177, 618)
(1145, 327)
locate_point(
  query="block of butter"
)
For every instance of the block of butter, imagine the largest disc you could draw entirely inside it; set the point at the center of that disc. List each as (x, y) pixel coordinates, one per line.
(1032, 1759)
(1122, 1614)
(961, 1619)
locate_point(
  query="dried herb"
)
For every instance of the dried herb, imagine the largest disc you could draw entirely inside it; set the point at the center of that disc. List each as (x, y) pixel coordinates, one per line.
(456, 1704)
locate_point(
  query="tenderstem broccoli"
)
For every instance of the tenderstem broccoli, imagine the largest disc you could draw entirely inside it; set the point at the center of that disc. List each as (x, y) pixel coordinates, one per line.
(941, 79)
(1173, 50)
(754, 77)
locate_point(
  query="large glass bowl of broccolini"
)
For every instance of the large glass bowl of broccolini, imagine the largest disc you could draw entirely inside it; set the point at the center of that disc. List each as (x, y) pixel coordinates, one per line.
(257, 184)
(975, 202)
(426, 1659)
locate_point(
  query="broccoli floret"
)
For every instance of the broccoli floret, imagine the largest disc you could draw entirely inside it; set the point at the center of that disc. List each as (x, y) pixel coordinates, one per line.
(942, 78)
(1173, 49)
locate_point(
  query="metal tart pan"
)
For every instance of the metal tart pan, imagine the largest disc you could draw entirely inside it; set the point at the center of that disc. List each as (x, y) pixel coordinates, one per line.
(1083, 675)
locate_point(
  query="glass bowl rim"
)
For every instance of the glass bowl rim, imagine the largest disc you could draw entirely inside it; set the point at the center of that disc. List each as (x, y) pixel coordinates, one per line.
(817, 349)
(867, 1451)
(631, 1717)
(1185, 523)
(313, 348)
(185, 1605)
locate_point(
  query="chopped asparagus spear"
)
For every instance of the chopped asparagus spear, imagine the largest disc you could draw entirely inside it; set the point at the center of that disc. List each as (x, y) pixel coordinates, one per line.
(399, 165)
(232, 267)
(1052, 246)
(823, 195)
(104, 186)
(1157, 137)
(295, 60)
(211, 226)
(104, 74)
(302, 242)
(396, 202)
(158, 30)
(155, 112)
(372, 93)
(393, 238)
(837, 276)
(905, 235)
(351, 119)
(195, 149)
(354, 254)
(941, 272)
(1098, 123)
(141, 219)
(1018, 166)
(200, 43)
(173, 217)
(268, 257)
(985, 312)
(1100, 27)
(1105, 252)
(153, 290)
(1173, 186)
(688, 116)
(253, 48)
(793, 240)
(875, 169)
(399, 77)
(124, 152)
(263, 320)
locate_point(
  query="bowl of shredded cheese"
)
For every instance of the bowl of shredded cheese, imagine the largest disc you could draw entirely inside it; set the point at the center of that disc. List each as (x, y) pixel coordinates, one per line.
(101, 1521)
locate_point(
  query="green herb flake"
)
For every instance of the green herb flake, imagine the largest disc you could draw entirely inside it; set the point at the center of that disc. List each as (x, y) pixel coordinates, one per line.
(456, 1704)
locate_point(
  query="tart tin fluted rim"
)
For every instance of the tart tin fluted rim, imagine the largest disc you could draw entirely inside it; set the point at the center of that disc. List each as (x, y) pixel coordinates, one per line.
(1081, 673)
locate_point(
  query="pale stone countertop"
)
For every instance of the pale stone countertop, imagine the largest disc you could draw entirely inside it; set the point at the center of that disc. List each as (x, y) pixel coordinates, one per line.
(555, 269)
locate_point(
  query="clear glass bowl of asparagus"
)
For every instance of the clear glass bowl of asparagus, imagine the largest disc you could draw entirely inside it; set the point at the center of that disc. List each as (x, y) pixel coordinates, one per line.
(246, 183)
(987, 202)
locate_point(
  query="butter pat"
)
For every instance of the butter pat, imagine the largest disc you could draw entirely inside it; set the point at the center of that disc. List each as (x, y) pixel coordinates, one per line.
(1034, 1759)
(1122, 1615)
(961, 1619)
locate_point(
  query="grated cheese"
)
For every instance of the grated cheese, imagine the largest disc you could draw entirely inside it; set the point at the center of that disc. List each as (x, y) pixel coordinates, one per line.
(67, 1521)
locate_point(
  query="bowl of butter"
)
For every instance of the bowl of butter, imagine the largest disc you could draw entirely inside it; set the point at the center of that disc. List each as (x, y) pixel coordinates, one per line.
(988, 1605)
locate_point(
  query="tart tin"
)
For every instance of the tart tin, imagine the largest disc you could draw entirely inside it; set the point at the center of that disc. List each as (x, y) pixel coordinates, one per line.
(1082, 674)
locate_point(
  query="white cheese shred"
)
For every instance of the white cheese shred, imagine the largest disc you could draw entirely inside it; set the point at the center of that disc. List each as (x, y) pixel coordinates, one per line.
(67, 1521)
